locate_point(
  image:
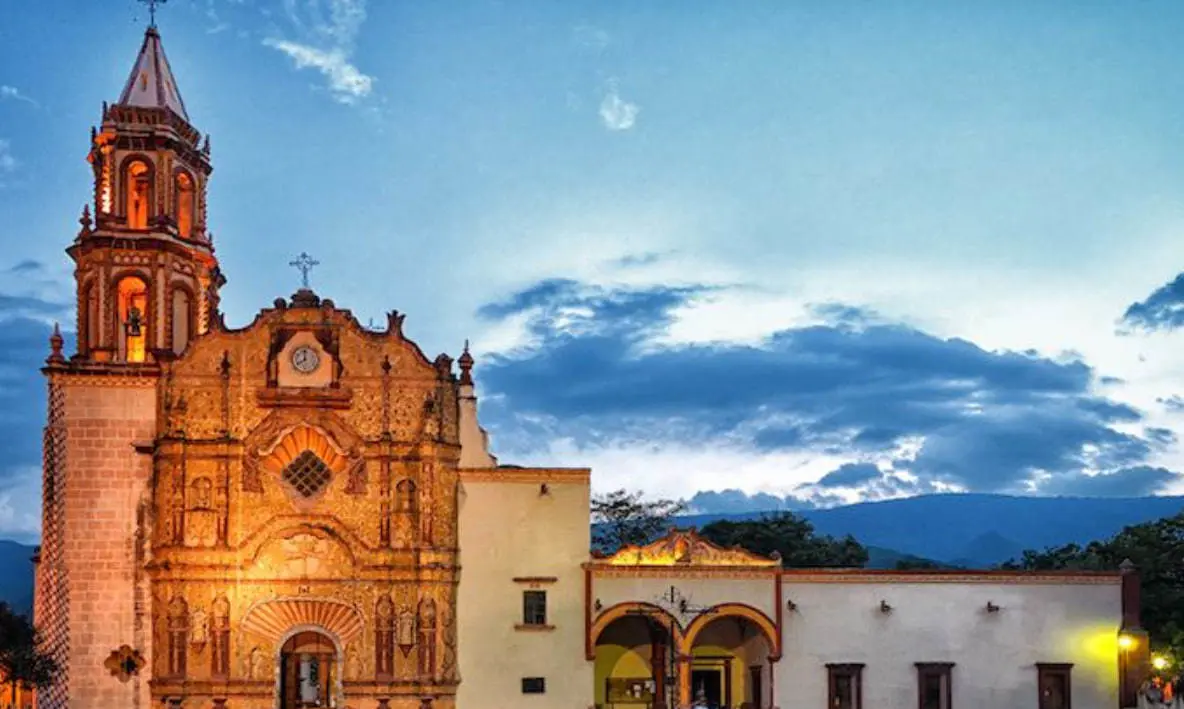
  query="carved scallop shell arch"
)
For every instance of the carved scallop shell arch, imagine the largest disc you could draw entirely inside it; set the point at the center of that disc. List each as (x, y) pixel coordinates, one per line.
(273, 619)
(297, 439)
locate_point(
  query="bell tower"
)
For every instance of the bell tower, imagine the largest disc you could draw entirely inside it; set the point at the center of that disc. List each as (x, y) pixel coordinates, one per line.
(147, 277)
(147, 283)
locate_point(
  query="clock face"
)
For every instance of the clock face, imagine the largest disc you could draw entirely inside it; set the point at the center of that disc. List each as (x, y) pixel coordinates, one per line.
(305, 359)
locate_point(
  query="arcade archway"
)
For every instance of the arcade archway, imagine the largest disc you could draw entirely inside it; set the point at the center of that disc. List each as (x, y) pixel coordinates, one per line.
(636, 652)
(730, 653)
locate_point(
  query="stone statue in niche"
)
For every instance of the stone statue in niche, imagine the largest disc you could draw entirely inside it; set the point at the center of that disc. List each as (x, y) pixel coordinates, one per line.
(256, 664)
(200, 494)
(199, 629)
(405, 630)
(201, 529)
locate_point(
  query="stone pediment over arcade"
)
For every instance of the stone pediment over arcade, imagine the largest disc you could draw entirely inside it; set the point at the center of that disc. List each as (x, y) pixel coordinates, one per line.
(686, 548)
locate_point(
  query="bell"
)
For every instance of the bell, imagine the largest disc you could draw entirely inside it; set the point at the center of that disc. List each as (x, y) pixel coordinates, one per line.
(133, 322)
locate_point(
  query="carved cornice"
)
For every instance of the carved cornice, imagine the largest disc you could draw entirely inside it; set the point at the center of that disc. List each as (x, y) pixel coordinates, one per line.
(104, 375)
(525, 475)
(683, 572)
(857, 576)
(867, 576)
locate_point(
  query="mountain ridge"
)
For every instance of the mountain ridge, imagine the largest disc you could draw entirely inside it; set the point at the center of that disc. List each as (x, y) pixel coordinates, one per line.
(970, 530)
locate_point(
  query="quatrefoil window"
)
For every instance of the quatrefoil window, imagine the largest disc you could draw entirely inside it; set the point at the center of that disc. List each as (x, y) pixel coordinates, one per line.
(307, 474)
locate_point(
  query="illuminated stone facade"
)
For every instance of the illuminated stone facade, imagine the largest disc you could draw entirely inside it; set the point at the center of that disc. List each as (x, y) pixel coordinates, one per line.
(304, 512)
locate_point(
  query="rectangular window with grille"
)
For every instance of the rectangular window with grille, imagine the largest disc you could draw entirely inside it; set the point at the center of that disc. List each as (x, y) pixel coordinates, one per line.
(934, 685)
(534, 607)
(844, 682)
(534, 685)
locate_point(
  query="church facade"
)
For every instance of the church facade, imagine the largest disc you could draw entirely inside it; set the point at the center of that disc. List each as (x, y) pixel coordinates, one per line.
(304, 512)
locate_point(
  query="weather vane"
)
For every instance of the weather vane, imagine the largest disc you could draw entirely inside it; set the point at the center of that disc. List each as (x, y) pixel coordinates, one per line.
(152, 10)
(305, 264)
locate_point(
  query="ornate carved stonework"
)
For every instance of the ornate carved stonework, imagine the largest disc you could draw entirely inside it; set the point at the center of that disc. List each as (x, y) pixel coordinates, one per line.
(318, 505)
(686, 548)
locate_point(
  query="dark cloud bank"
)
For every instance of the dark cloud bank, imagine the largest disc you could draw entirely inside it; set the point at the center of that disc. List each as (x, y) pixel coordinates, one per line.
(856, 385)
(24, 344)
(1162, 310)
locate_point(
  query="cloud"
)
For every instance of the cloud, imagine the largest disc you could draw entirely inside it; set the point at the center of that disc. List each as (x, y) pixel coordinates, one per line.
(734, 501)
(1162, 310)
(346, 83)
(851, 475)
(24, 343)
(910, 411)
(1135, 481)
(14, 94)
(8, 162)
(1175, 402)
(616, 113)
(591, 37)
(327, 30)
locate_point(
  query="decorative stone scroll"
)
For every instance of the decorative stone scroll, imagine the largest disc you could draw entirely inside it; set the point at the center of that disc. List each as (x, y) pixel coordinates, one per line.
(687, 548)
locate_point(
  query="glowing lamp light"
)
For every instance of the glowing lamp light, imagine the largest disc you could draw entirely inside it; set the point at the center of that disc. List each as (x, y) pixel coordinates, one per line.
(1126, 642)
(1159, 662)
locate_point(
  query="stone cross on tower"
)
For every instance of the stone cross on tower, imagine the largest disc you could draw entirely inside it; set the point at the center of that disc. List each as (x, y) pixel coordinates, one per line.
(305, 264)
(152, 10)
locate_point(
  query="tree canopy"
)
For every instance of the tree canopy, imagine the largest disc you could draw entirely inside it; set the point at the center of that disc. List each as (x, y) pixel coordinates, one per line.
(23, 660)
(1157, 551)
(792, 537)
(622, 518)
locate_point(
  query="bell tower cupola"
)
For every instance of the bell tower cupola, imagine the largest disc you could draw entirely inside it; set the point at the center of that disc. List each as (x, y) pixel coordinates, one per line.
(146, 272)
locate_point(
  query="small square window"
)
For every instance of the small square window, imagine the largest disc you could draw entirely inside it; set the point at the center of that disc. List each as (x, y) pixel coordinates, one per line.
(534, 607)
(534, 685)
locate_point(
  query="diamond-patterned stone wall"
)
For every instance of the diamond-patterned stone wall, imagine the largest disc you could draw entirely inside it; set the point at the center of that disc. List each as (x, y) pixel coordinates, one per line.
(52, 602)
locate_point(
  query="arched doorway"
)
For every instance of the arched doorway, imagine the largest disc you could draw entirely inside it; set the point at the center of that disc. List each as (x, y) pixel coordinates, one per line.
(731, 651)
(308, 671)
(636, 658)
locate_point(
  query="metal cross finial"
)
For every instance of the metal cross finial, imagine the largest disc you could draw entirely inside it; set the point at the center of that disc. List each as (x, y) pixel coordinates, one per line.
(305, 264)
(152, 10)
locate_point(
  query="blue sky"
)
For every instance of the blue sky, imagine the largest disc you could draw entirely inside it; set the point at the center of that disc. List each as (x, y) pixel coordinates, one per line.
(833, 251)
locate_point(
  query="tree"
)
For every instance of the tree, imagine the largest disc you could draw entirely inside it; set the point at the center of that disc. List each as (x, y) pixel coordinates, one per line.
(23, 659)
(622, 518)
(1157, 551)
(790, 536)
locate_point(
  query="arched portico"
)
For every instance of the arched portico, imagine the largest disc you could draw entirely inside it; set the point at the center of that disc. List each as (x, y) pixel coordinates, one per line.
(726, 658)
(635, 647)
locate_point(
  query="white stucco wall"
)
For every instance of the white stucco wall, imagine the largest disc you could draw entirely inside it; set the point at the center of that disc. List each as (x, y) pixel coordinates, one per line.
(509, 530)
(995, 653)
(757, 592)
